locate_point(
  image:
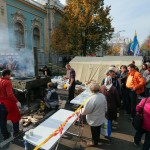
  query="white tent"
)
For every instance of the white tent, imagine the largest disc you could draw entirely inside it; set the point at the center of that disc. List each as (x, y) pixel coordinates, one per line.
(94, 68)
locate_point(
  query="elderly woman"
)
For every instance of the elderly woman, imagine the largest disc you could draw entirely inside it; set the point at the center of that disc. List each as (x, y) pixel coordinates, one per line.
(112, 97)
(95, 110)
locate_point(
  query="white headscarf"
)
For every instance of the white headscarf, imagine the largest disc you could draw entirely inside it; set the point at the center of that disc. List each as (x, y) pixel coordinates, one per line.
(108, 83)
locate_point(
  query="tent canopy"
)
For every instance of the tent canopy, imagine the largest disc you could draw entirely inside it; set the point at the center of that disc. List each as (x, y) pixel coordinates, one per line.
(94, 68)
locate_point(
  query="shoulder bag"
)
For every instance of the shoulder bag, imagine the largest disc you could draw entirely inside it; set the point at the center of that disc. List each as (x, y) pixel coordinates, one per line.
(138, 119)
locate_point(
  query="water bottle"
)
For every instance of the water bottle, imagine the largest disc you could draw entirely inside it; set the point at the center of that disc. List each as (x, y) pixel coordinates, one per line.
(25, 145)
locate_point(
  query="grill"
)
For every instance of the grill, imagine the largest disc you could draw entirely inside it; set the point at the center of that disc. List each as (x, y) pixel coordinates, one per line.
(26, 83)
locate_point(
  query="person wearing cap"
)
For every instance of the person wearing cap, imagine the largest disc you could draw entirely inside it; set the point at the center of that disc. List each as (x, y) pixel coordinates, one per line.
(135, 86)
(95, 110)
(113, 74)
(112, 97)
(8, 106)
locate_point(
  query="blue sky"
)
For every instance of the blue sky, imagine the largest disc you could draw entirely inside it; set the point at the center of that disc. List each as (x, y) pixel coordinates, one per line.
(130, 15)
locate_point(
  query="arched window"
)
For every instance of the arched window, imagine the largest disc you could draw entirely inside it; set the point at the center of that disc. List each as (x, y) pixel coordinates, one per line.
(19, 35)
(36, 38)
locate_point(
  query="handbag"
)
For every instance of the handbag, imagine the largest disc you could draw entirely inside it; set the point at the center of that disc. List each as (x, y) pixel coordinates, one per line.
(138, 119)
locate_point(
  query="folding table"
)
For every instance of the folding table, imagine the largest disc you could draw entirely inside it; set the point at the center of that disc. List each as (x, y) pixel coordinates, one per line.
(42, 131)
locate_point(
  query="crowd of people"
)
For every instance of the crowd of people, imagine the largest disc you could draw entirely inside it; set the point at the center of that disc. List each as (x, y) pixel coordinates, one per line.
(127, 87)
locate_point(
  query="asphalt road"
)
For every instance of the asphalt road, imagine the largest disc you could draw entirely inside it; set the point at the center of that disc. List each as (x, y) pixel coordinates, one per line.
(121, 138)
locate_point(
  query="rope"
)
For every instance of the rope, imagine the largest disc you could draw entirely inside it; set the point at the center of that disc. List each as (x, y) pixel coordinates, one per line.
(61, 127)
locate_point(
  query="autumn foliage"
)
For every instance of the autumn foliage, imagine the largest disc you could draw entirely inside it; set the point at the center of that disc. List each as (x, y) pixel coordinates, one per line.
(114, 50)
(146, 44)
(85, 26)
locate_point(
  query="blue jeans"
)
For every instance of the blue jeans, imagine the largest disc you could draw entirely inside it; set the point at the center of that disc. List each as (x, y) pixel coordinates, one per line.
(138, 137)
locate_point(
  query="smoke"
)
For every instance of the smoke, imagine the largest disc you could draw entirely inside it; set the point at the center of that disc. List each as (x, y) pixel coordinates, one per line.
(21, 62)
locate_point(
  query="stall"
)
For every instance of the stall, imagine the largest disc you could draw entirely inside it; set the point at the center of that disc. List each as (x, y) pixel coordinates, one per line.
(94, 68)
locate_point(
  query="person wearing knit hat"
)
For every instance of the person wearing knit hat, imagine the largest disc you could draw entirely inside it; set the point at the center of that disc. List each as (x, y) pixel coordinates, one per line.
(112, 68)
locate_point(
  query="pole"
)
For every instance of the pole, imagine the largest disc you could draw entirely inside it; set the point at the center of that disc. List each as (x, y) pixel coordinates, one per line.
(35, 54)
(49, 30)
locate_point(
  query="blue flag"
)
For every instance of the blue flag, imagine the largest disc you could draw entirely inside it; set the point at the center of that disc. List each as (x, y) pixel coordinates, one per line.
(129, 48)
(135, 48)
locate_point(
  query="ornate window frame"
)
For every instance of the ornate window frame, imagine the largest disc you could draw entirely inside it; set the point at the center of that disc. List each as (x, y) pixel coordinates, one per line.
(18, 17)
(37, 24)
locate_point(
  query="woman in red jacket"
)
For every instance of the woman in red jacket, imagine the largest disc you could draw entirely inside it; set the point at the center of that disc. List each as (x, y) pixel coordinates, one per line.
(146, 124)
(8, 105)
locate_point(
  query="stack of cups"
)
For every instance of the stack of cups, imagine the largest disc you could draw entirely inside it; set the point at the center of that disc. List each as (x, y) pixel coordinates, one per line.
(29, 133)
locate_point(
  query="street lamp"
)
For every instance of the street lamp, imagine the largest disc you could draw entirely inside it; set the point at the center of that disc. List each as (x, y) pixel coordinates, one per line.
(102, 2)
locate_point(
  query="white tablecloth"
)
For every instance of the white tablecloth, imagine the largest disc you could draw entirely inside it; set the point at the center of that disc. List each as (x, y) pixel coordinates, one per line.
(41, 132)
(81, 97)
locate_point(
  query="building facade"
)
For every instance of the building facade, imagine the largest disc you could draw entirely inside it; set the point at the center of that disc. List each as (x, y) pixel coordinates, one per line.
(26, 21)
(26, 26)
(121, 41)
(3, 26)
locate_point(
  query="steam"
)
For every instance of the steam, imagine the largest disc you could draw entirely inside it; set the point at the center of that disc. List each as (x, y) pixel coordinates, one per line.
(20, 62)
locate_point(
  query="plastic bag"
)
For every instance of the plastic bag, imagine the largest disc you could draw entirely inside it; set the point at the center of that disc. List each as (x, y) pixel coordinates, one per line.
(106, 128)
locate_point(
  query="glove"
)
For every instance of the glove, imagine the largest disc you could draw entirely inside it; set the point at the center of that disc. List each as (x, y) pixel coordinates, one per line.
(19, 104)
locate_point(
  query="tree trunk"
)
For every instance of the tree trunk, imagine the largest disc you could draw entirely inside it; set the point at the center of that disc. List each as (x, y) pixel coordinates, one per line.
(85, 44)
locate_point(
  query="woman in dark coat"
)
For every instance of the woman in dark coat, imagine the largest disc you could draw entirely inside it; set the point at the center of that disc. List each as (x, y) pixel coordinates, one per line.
(112, 97)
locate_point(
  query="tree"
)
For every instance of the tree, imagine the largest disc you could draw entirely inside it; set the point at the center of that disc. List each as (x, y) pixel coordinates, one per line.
(85, 26)
(146, 44)
(114, 50)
